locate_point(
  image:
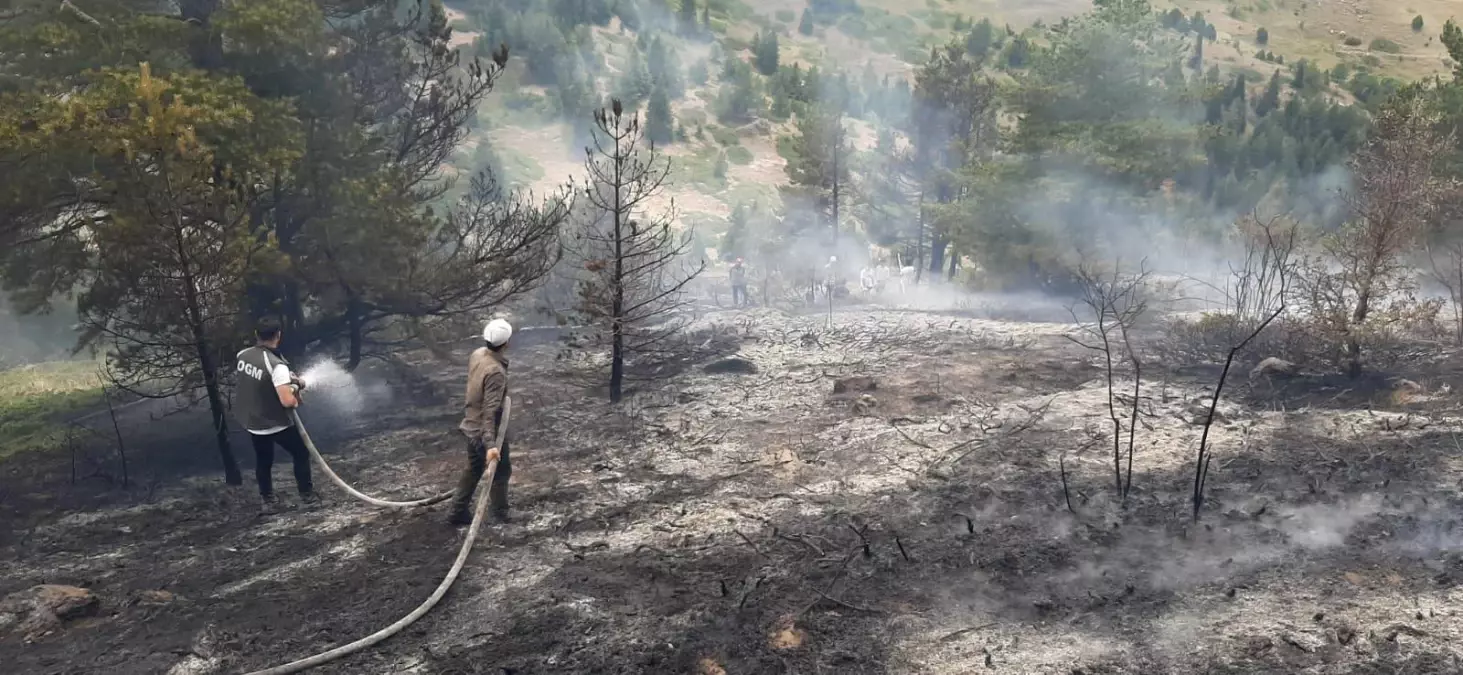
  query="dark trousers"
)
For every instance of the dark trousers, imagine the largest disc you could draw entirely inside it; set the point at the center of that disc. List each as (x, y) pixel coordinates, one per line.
(293, 443)
(477, 463)
(739, 291)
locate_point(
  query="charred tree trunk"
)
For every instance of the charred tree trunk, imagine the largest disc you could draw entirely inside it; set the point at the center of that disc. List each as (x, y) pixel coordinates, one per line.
(206, 364)
(919, 239)
(954, 264)
(356, 322)
(837, 151)
(617, 302)
(1353, 342)
(937, 254)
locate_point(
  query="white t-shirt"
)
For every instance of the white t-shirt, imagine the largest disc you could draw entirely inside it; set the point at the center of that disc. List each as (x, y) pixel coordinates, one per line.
(280, 374)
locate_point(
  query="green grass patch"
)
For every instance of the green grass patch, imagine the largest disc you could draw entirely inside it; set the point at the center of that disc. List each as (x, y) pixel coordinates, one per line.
(739, 155)
(36, 400)
(698, 168)
(1385, 46)
(723, 135)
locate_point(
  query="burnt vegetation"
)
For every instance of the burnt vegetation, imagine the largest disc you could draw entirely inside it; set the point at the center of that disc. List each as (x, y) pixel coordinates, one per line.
(1162, 374)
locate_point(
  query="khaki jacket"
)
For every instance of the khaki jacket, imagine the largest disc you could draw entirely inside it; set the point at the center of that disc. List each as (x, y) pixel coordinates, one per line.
(487, 384)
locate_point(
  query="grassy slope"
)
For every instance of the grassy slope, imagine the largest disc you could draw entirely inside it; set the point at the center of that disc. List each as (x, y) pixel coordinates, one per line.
(34, 400)
(1316, 30)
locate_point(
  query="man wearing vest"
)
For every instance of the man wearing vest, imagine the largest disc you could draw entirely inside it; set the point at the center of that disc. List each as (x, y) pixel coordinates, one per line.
(487, 385)
(267, 390)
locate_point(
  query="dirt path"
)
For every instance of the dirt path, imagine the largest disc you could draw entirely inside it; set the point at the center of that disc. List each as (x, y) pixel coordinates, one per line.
(750, 522)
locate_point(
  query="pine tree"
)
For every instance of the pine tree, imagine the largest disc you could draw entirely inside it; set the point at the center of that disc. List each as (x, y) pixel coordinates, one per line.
(805, 26)
(1262, 36)
(767, 54)
(635, 83)
(664, 71)
(1299, 81)
(1174, 19)
(706, 18)
(633, 288)
(1417, 23)
(738, 101)
(734, 241)
(1197, 60)
(1241, 112)
(658, 120)
(980, 39)
(1270, 100)
(688, 17)
(1019, 53)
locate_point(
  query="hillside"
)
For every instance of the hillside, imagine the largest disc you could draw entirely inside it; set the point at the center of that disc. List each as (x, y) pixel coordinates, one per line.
(719, 167)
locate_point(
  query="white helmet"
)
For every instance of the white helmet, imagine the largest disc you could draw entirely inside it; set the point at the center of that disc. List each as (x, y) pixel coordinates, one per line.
(497, 332)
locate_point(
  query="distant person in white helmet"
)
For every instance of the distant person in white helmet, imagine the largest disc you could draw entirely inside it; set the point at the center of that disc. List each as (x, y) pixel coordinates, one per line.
(832, 280)
(487, 386)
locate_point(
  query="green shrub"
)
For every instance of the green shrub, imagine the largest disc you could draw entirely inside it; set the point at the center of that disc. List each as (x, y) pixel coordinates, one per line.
(1385, 46)
(1417, 23)
(1352, 41)
(739, 155)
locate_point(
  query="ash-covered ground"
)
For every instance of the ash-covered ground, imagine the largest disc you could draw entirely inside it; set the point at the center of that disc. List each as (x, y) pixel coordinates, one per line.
(884, 495)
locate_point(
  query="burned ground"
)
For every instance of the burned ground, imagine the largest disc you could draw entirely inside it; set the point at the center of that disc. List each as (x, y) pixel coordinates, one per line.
(754, 521)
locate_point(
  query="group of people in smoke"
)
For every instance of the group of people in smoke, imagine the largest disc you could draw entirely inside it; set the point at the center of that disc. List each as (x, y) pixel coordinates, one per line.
(872, 280)
(268, 390)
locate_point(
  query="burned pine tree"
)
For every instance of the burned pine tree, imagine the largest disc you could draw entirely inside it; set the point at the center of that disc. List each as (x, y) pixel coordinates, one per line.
(819, 170)
(390, 101)
(953, 128)
(491, 247)
(635, 264)
(1362, 284)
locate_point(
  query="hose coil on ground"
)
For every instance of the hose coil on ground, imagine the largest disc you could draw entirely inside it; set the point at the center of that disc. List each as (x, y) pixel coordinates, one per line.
(477, 520)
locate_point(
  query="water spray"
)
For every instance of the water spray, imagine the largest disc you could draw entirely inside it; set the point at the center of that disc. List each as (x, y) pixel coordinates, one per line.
(330, 376)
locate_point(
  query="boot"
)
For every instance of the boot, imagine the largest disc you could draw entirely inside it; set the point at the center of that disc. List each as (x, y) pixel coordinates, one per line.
(498, 500)
(309, 499)
(459, 517)
(268, 505)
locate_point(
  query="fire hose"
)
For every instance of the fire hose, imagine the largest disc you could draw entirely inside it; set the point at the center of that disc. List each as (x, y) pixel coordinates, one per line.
(447, 581)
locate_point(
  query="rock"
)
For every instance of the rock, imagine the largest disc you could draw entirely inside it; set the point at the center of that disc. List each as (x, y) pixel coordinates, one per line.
(1273, 366)
(731, 367)
(865, 404)
(158, 597)
(858, 384)
(41, 609)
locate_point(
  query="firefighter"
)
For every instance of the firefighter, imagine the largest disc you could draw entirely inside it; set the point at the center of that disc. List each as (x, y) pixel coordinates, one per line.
(487, 385)
(738, 278)
(267, 391)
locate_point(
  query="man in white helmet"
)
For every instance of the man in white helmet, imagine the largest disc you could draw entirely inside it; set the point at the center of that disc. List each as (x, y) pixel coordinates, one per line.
(487, 385)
